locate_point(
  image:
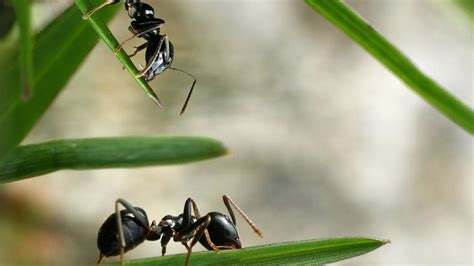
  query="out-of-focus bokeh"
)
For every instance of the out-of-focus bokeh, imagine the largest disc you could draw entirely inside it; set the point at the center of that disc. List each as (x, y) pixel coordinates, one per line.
(325, 141)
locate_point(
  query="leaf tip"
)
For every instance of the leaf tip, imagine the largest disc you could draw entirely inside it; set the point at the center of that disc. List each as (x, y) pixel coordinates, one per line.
(156, 100)
(226, 151)
(386, 241)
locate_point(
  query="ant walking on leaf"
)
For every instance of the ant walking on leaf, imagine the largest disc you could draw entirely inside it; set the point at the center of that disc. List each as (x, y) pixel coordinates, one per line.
(126, 229)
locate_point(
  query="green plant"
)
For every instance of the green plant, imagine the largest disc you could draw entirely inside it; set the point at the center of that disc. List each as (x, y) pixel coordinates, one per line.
(18, 114)
(309, 252)
(374, 43)
(30, 84)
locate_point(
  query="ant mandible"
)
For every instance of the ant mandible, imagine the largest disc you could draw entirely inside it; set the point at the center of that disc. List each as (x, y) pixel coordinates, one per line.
(159, 50)
(126, 229)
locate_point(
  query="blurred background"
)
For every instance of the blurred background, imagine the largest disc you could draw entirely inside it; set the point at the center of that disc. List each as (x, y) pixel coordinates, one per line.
(324, 141)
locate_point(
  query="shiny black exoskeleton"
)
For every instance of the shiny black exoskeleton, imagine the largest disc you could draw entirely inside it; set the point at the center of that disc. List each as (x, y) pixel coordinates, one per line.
(224, 233)
(124, 230)
(134, 225)
(159, 50)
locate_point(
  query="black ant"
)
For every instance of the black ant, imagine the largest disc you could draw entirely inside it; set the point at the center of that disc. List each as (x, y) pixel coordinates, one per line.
(159, 50)
(126, 229)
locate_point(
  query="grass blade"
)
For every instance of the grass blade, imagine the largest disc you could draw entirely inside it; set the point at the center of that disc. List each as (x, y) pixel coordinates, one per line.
(101, 28)
(362, 33)
(97, 153)
(310, 252)
(23, 14)
(58, 52)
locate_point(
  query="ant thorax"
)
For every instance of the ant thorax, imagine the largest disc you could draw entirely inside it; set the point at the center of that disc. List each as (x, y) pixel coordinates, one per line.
(170, 221)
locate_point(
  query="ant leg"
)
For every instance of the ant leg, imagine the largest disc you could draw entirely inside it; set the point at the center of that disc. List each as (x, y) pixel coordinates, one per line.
(153, 59)
(138, 216)
(187, 212)
(186, 262)
(164, 241)
(140, 28)
(209, 241)
(120, 230)
(187, 219)
(141, 219)
(228, 202)
(206, 232)
(195, 209)
(138, 49)
(197, 230)
(101, 256)
(119, 47)
(92, 11)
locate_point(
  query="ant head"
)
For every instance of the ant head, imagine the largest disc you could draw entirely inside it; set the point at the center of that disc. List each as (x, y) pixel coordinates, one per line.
(140, 10)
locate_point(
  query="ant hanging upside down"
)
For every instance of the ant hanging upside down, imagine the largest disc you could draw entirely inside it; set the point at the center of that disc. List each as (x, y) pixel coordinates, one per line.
(159, 50)
(126, 229)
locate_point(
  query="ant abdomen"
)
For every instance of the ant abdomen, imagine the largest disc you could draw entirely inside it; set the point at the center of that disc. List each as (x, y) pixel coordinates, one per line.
(108, 240)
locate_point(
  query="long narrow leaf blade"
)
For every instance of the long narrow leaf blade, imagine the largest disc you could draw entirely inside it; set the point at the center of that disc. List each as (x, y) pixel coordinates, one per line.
(362, 33)
(101, 28)
(97, 153)
(58, 52)
(310, 252)
(23, 14)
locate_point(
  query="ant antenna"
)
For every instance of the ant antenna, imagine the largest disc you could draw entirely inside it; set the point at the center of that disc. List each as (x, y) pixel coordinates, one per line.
(190, 91)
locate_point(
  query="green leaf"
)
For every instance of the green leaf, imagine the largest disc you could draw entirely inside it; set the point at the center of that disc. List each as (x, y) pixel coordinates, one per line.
(23, 14)
(7, 20)
(467, 6)
(98, 153)
(310, 252)
(59, 50)
(101, 28)
(362, 33)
